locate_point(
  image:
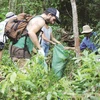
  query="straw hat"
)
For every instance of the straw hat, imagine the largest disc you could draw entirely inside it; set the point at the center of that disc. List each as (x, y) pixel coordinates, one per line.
(86, 29)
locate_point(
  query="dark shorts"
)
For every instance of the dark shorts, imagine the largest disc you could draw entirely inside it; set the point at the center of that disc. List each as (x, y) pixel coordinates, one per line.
(18, 52)
(1, 46)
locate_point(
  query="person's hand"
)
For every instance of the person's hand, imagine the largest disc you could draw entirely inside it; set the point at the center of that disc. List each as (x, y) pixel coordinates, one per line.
(53, 42)
(59, 42)
(66, 48)
(41, 52)
(69, 48)
(34, 50)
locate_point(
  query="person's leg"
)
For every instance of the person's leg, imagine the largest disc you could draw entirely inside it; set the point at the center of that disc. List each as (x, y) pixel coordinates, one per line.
(46, 50)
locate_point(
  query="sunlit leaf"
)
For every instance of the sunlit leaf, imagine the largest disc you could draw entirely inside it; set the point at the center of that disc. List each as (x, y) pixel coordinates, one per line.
(13, 77)
(49, 96)
(4, 87)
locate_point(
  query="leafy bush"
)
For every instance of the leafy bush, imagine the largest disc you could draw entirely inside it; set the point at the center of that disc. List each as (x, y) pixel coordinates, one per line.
(35, 83)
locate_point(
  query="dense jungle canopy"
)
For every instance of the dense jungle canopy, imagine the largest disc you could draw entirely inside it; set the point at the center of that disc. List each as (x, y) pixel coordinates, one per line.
(88, 10)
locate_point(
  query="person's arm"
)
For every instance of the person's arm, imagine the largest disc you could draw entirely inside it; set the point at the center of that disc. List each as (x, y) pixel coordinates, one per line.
(46, 39)
(53, 39)
(34, 50)
(69, 48)
(87, 43)
(33, 27)
(83, 45)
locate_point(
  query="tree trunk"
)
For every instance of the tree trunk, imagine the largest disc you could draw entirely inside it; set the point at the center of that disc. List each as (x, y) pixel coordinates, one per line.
(75, 27)
(22, 7)
(12, 5)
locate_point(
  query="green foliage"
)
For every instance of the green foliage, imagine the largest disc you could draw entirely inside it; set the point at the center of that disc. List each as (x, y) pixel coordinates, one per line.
(98, 27)
(32, 7)
(86, 78)
(64, 6)
(55, 32)
(3, 9)
(34, 83)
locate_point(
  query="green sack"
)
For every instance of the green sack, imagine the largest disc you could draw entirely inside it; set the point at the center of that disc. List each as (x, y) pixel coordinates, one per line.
(59, 61)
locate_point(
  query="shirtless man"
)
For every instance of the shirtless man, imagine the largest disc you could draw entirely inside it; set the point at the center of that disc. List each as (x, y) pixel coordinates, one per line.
(50, 15)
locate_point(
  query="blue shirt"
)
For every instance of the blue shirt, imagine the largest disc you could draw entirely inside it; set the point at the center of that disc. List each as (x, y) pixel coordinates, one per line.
(88, 43)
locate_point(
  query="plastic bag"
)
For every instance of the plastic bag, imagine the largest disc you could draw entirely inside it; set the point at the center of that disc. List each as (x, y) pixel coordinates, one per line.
(59, 61)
